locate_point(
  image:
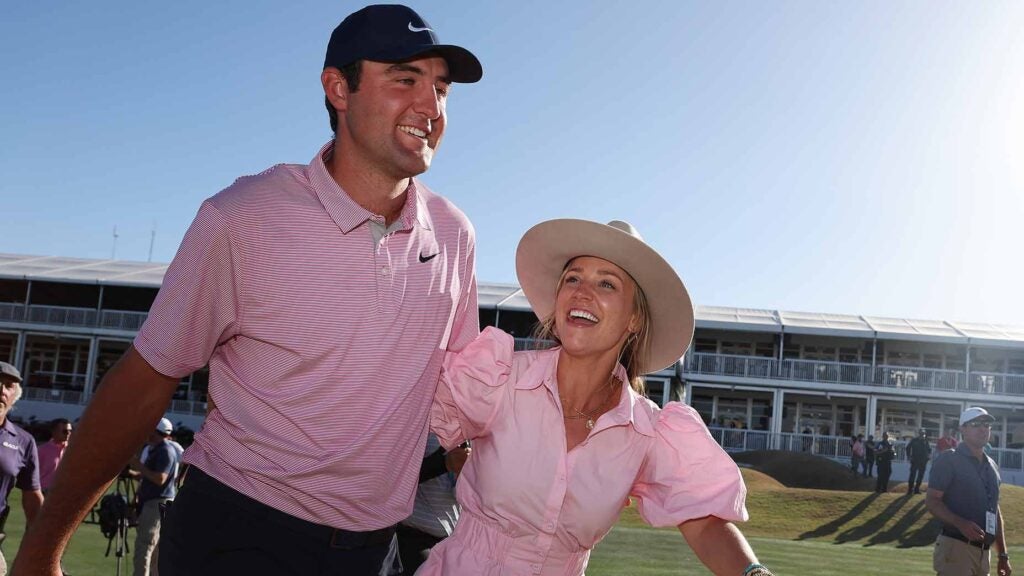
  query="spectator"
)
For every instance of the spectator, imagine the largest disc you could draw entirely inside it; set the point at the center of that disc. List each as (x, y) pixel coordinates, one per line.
(156, 489)
(435, 511)
(856, 453)
(300, 287)
(884, 453)
(963, 493)
(19, 459)
(869, 457)
(947, 442)
(51, 452)
(919, 450)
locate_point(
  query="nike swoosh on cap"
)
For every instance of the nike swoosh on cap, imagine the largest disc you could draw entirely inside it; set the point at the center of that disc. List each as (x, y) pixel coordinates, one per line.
(415, 29)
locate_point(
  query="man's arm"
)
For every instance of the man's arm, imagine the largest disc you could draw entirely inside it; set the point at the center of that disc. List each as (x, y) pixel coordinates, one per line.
(31, 501)
(127, 405)
(938, 508)
(1004, 558)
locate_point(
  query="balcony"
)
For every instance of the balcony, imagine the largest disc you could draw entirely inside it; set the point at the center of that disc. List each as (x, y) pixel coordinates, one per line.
(902, 377)
(68, 317)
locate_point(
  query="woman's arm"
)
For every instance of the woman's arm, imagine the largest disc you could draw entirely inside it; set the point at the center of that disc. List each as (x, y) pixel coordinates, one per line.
(719, 544)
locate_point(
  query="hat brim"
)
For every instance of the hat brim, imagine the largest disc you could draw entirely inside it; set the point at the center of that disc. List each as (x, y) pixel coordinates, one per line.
(546, 248)
(463, 66)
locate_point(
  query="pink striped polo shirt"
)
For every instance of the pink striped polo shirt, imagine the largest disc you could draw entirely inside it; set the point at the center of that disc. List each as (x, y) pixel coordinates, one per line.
(324, 348)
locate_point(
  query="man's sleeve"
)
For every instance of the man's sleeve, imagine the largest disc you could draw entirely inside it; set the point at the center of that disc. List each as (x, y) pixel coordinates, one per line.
(161, 460)
(198, 306)
(941, 475)
(28, 477)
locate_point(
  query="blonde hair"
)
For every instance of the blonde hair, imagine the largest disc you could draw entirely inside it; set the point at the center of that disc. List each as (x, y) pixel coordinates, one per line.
(636, 351)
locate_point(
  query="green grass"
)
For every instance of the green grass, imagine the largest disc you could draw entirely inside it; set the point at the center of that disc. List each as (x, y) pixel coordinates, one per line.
(795, 531)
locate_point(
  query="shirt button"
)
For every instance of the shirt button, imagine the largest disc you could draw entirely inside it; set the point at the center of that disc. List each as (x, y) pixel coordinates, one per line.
(550, 526)
(383, 270)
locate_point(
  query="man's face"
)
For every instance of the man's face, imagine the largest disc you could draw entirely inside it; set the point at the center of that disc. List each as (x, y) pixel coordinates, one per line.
(8, 391)
(394, 122)
(976, 433)
(62, 433)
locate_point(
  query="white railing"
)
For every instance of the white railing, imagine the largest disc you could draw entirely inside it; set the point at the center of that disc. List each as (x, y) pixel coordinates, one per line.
(188, 407)
(920, 378)
(56, 395)
(729, 365)
(120, 320)
(71, 316)
(61, 316)
(995, 383)
(739, 440)
(12, 312)
(912, 377)
(827, 372)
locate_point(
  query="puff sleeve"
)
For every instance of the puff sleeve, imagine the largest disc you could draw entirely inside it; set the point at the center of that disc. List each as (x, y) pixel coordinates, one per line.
(686, 474)
(472, 388)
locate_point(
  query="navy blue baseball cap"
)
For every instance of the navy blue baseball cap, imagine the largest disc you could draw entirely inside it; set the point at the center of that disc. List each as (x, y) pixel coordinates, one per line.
(392, 33)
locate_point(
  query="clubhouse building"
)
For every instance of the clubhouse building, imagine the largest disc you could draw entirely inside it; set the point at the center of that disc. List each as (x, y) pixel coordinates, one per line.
(762, 379)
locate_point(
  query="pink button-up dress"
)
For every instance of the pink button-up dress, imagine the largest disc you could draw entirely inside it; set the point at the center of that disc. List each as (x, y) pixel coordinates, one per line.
(530, 507)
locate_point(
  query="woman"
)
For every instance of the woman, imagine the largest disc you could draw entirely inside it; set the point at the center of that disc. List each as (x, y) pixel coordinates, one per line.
(562, 438)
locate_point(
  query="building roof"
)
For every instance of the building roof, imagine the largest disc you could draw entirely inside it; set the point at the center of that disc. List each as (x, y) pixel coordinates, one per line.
(510, 297)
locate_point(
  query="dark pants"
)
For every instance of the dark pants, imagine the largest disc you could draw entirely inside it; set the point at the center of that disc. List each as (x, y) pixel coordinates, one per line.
(414, 547)
(212, 530)
(916, 477)
(884, 471)
(869, 465)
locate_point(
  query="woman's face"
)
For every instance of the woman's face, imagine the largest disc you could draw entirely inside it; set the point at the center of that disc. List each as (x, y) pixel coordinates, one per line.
(594, 311)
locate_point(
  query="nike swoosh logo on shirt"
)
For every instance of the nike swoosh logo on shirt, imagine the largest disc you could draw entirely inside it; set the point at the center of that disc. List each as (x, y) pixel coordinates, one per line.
(415, 29)
(425, 259)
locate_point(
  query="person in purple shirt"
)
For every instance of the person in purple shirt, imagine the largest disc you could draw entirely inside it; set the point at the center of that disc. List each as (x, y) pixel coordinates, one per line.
(19, 460)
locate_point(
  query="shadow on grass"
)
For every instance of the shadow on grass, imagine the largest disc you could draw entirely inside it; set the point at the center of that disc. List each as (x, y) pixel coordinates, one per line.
(834, 525)
(901, 534)
(875, 524)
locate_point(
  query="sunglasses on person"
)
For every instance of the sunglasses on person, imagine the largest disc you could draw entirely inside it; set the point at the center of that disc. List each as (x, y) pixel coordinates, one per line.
(978, 425)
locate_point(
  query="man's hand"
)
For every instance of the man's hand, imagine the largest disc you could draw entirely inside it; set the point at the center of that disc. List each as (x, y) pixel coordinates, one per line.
(970, 530)
(455, 459)
(1004, 567)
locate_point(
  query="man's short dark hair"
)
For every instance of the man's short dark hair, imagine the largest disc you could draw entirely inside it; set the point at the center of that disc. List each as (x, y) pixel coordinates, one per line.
(59, 422)
(352, 73)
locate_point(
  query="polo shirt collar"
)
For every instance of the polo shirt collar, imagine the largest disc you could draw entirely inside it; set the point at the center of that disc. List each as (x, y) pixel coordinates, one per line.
(629, 410)
(346, 212)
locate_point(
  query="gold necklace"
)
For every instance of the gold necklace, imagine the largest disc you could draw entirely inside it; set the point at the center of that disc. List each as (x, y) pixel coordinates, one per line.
(595, 413)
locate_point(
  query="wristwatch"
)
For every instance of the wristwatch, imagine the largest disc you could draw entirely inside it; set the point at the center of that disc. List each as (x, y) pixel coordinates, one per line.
(1004, 556)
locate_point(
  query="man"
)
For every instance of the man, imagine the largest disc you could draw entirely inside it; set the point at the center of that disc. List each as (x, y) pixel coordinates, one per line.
(919, 450)
(884, 454)
(963, 493)
(435, 511)
(323, 298)
(869, 457)
(947, 442)
(156, 489)
(19, 460)
(50, 454)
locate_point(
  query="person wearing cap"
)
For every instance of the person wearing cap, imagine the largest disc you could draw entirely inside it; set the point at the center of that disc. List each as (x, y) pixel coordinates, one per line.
(156, 489)
(323, 298)
(963, 493)
(919, 451)
(884, 453)
(19, 458)
(563, 437)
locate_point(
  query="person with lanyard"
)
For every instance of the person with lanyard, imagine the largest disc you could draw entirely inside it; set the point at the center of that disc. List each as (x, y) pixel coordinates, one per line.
(323, 297)
(19, 458)
(563, 437)
(963, 493)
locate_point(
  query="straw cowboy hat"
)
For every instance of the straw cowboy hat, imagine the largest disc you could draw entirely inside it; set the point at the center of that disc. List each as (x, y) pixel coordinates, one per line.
(546, 248)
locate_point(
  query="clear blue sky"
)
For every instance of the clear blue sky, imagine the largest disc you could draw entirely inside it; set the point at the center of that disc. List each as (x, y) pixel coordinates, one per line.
(847, 157)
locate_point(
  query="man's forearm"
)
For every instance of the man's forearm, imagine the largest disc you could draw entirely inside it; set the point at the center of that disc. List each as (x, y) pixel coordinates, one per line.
(124, 410)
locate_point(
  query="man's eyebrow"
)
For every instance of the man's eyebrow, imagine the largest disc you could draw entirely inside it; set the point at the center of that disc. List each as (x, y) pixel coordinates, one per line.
(399, 67)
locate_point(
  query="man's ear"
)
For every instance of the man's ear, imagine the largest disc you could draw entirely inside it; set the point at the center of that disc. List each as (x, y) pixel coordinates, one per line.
(335, 88)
